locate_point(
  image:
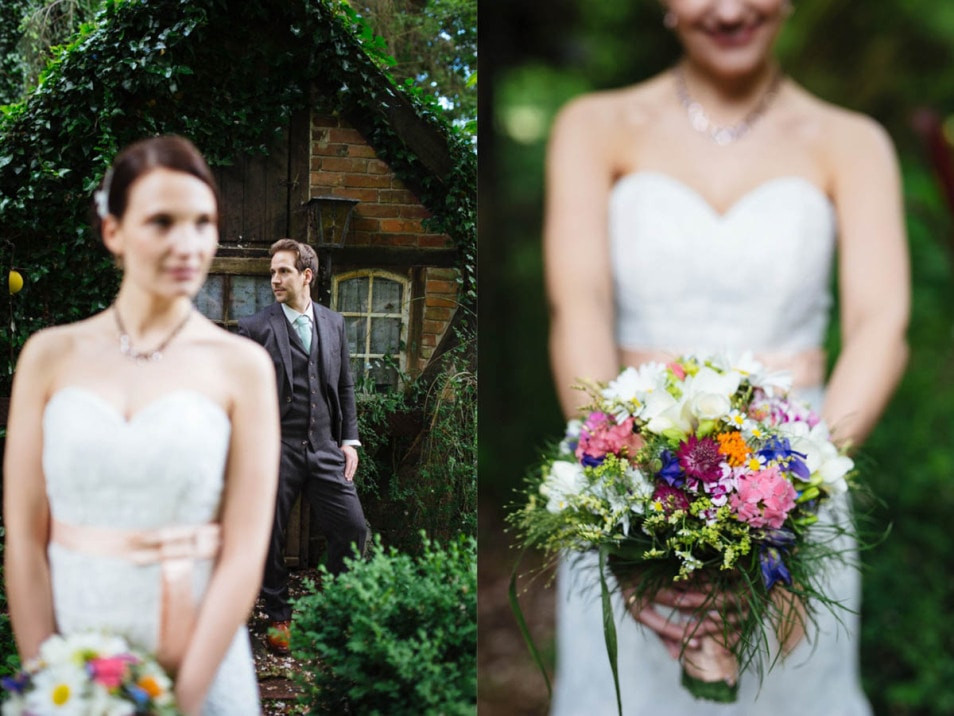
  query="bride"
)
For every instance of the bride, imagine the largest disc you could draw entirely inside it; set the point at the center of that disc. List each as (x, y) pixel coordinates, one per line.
(142, 454)
(701, 211)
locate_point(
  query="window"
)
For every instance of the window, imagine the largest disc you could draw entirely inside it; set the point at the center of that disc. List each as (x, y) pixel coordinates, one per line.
(375, 307)
(227, 297)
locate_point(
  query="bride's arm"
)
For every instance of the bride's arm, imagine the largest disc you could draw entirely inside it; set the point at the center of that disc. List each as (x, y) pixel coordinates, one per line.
(26, 511)
(577, 273)
(873, 278)
(247, 512)
(579, 286)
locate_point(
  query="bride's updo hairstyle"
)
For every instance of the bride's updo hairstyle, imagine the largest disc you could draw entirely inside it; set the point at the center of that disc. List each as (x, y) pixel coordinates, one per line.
(163, 152)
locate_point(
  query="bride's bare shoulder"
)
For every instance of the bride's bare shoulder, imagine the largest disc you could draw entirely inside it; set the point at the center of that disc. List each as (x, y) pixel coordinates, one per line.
(841, 135)
(47, 350)
(600, 116)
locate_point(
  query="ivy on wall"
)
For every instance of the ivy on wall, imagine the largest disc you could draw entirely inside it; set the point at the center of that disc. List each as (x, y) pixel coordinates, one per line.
(227, 74)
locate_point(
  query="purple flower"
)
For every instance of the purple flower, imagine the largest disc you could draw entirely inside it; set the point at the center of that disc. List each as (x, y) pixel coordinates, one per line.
(671, 499)
(778, 538)
(17, 684)
(780, 450)
(590, 461)
(671, 473)
(773, 568)
(701, 459)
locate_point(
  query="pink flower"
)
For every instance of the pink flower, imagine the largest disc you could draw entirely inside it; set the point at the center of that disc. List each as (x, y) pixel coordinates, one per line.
(701, 459)
(677, 370)
(600, 435)
(109, 671)
(764, 498)
(670, 499)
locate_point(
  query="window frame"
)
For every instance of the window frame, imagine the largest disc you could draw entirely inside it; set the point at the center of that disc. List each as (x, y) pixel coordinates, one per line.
(405, 313)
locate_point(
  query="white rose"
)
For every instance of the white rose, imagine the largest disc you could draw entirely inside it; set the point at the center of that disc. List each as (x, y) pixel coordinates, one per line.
(663, 412)
(710, 406)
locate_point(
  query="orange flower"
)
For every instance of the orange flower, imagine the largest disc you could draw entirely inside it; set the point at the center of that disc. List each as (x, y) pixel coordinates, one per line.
(150, 686)
(733, 447)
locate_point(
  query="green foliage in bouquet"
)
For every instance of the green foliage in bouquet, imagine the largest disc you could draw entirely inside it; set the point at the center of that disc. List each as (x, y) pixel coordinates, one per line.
(395, 634)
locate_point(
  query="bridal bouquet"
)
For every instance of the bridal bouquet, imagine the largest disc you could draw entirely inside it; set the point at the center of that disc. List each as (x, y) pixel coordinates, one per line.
(701, 474)
(90, 674)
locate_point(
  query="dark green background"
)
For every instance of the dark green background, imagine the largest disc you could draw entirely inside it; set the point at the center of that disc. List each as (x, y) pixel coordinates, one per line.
(887, 58)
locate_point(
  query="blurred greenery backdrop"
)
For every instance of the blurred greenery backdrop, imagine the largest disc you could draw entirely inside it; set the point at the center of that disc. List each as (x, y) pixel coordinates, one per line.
(892, 59)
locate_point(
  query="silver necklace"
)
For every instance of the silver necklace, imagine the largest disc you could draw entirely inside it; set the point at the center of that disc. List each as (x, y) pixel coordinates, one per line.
(723, 134)
(126, 347)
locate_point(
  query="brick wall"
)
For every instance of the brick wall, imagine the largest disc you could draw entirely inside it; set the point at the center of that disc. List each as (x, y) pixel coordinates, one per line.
(389, 214)
(440, 302)
(343, 164)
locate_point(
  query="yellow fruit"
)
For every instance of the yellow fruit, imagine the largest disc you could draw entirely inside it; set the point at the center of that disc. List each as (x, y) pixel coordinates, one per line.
(15, 281)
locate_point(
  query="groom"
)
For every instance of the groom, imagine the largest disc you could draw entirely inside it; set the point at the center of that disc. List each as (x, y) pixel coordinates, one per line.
(318, 421)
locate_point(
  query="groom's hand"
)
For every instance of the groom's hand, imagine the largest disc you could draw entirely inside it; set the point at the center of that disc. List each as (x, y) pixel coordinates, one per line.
(351, 461)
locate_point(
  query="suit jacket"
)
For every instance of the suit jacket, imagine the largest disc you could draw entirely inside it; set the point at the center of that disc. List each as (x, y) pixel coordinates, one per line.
(269, 328)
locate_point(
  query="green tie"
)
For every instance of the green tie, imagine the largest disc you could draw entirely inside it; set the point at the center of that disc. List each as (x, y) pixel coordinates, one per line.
(303, 328)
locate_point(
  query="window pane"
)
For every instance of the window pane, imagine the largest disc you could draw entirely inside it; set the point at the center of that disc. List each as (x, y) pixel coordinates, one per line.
(353, 295)
(249, 295)
(356, 328)
(386, 296)
(357, 369)
(209, 298)
(385, 335)
(384, 376)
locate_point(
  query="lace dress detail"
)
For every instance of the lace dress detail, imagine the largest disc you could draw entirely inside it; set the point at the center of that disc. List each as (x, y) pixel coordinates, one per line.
(687, 278)
(164, 466)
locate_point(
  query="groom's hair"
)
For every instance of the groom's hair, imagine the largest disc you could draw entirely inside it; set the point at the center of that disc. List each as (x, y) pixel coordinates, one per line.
(305, 256)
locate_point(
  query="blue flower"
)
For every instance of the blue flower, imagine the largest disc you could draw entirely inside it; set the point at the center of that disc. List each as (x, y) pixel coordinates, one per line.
(780, 450)
(778, 538)
(773, 568)
(139, 695)
(17, 684)
(590, 461)
(671, 473)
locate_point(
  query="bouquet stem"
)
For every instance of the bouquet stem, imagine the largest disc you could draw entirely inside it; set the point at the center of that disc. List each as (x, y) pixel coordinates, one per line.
(711, 672)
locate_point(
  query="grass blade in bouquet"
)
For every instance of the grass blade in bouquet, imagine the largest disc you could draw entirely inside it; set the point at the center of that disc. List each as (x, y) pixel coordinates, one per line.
(701, 478)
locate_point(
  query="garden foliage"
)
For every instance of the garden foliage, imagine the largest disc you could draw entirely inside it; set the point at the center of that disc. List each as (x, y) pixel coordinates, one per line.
(226, 74)
(419, 463)
(395, 635)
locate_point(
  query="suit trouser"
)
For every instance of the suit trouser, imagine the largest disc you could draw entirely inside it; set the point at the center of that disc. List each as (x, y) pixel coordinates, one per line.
(335, 507)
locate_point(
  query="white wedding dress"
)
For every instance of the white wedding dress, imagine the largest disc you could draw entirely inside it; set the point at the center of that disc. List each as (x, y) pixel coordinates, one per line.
(165, 466)
(690, 279)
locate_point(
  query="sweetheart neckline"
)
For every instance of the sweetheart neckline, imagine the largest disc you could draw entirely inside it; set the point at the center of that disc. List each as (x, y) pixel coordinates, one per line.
(98, 399)
(741, 200)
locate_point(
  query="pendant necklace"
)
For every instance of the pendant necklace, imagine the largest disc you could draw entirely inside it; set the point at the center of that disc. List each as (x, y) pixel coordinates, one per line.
(722, 134)
(126, 347)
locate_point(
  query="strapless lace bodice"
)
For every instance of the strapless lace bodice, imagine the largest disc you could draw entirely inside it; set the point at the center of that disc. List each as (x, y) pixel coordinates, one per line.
(164, 466)
(688, 278)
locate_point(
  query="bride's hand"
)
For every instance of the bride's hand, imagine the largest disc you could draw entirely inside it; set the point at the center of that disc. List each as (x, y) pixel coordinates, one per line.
(684, 626)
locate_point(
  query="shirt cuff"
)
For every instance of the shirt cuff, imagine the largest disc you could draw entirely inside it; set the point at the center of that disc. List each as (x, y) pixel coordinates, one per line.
(355, 443)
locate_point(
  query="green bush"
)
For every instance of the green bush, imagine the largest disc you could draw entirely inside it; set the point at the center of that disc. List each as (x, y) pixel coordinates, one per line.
(394, 635)
(418, 469)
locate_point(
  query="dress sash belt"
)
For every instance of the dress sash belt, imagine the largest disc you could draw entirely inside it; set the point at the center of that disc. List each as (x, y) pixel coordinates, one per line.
(175, 549)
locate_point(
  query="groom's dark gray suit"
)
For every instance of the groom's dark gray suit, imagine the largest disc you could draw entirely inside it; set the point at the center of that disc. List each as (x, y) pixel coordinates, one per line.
(318, 415)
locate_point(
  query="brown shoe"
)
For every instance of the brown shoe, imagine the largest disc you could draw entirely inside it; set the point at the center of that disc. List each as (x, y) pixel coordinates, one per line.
(278, 637)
